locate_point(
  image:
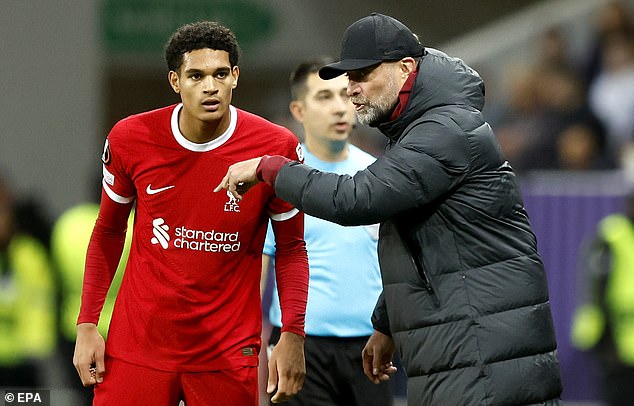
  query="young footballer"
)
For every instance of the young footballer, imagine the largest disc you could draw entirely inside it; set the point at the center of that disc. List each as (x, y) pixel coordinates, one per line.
(186, 324)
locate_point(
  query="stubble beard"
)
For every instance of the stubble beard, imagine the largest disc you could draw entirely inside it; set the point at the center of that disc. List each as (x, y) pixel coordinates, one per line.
(375, 113)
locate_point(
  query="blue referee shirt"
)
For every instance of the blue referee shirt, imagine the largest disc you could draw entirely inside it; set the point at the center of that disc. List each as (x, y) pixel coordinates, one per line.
(345, 280)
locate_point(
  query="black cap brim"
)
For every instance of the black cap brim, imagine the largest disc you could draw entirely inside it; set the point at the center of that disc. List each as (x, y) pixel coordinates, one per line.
(333, 70)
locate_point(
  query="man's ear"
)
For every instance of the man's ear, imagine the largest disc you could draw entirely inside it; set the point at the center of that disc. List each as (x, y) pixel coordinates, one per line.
(297, 110)
(407, 65)
(174, 80)
(235, 72)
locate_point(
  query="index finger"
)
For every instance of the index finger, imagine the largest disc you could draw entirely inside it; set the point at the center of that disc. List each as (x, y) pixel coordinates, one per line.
(223, 182)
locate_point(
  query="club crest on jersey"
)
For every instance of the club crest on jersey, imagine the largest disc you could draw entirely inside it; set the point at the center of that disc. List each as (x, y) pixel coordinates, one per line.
(106, 157)
(232, 204)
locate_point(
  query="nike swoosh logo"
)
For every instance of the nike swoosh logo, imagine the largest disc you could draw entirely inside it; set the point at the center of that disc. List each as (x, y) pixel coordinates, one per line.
(151, 191)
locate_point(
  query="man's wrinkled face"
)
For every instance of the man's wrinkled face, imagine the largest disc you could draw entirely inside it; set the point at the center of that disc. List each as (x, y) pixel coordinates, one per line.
(374, 92)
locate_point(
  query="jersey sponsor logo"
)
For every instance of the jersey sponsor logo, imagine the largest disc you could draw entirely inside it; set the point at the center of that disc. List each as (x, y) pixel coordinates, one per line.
(232, 204)
(151, 191)
(106, 157)
(160, 229)
(195, 240)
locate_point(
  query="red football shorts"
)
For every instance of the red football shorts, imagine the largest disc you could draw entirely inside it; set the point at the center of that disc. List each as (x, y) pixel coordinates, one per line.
(128, 384)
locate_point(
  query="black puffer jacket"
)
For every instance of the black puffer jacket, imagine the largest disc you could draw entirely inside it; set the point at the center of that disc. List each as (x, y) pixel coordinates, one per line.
(465, 295)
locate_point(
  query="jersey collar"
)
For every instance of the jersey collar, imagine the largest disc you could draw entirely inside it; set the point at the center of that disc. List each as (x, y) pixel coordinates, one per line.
(206, 146)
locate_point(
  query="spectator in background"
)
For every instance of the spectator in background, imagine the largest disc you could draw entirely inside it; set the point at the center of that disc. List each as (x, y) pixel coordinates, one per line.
(519, 128)
(614, 18)
(345, 280)
(604, 321)
(580, 147)
(572, 137)
(548, 113)
(608, 75)
(553, 48)
(27, 301)
(611, 94)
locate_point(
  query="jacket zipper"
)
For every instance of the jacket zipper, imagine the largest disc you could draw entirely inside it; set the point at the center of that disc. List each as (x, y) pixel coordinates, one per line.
(426, 281)
(420, 269)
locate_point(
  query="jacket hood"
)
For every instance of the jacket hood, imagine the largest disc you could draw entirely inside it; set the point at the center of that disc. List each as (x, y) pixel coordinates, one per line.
(441, 81)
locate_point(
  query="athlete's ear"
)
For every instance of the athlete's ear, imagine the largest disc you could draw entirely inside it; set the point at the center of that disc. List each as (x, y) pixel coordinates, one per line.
(235, 72)
(173, 78)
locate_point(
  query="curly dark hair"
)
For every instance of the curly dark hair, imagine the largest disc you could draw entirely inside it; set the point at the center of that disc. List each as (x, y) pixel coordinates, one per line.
(200, 35)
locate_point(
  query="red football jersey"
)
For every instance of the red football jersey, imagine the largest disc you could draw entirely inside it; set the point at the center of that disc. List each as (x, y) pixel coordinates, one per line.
(190, 298)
